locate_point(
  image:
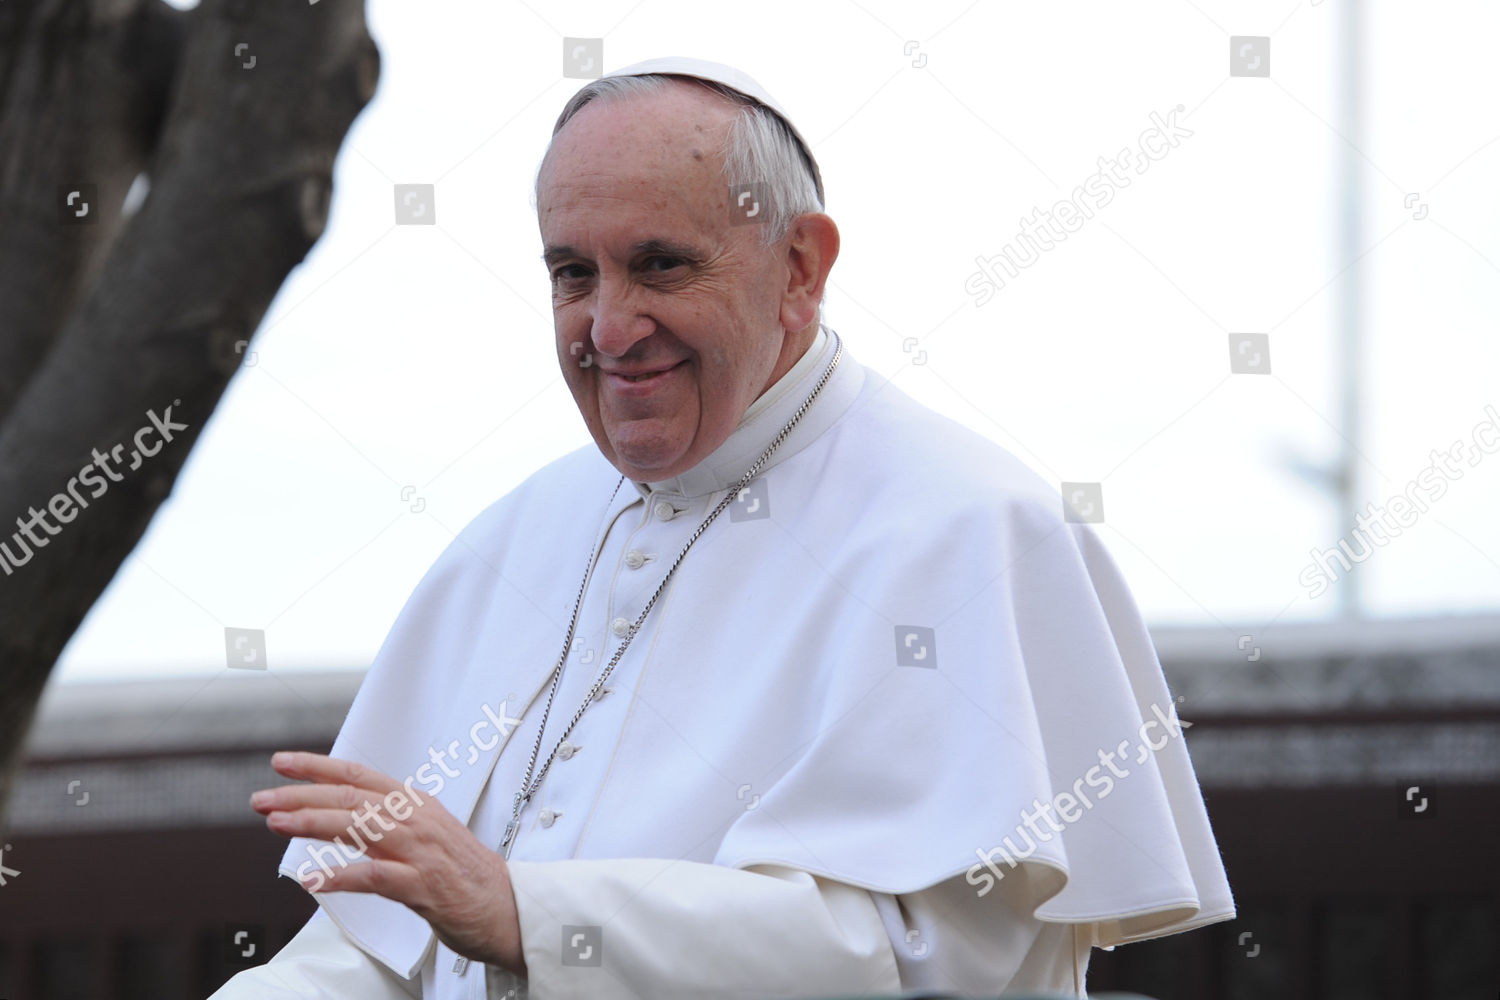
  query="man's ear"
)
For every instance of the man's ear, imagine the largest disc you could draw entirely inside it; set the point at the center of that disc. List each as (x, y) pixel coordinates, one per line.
(812, 247)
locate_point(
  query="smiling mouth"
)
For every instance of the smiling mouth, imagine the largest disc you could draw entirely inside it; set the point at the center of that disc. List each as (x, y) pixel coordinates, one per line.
(645, 376)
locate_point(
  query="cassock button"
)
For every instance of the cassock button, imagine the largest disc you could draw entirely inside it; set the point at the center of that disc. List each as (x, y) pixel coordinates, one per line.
(619, 627)
(548, 817)
(664, 511)
(566, 750)
(635, 559)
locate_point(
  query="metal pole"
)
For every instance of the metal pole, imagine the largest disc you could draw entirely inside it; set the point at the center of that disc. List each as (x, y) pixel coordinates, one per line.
(1350, 296)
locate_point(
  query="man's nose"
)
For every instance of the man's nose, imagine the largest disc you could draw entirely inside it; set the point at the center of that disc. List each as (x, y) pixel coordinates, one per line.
(618, 323)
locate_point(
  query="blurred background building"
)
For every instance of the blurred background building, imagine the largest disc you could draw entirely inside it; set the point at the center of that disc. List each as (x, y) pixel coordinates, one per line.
(1351, 770)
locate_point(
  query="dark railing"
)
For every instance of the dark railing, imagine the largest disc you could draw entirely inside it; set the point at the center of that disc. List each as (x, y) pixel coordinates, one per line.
(1340, 894)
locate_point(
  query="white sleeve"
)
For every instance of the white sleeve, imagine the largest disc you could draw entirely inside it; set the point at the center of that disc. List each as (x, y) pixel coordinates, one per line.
(607, 929)
(319, 963)
(947, 938)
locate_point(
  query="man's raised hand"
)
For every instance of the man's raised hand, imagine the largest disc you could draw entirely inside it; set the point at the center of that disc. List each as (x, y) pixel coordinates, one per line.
(416, 852)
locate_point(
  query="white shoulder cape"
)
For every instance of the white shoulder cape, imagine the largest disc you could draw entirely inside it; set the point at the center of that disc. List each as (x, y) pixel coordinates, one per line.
(776, 666)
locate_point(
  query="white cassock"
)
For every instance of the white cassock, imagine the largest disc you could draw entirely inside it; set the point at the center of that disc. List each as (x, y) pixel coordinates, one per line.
(895, 723)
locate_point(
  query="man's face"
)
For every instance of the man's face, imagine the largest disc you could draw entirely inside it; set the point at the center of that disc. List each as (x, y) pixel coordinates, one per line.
(668, 317)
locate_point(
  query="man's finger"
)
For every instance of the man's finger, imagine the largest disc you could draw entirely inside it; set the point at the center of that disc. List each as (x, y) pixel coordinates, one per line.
(330, 770)
(391, 879)
(375, 831)
(289, 797)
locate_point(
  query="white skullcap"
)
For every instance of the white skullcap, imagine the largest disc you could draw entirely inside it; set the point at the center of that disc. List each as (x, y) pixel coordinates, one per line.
(730, 77)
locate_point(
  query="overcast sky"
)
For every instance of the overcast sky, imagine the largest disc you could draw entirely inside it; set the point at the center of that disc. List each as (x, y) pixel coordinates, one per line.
(412, 366)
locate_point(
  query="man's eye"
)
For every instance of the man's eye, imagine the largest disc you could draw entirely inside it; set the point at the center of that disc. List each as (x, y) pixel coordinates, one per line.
(566, 272)
(664, 263)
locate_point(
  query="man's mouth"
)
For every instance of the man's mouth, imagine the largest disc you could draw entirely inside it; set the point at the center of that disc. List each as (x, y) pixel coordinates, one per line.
(635, 378)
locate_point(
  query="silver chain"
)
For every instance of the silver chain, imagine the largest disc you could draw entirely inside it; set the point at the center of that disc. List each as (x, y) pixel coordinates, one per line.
(529, 785)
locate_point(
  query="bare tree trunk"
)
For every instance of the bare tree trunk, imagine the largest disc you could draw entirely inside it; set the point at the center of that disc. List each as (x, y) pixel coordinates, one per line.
(113, 327)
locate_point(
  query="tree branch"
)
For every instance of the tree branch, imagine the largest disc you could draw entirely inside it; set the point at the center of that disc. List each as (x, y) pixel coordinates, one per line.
(241, 179)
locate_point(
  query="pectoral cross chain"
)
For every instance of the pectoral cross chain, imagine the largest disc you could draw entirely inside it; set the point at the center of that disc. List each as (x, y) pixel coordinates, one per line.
(514, 824)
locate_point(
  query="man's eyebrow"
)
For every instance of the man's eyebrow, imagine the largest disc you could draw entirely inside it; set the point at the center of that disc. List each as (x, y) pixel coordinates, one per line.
(552, 254)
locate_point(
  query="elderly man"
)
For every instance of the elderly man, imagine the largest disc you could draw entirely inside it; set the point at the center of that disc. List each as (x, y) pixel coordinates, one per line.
(789, 688)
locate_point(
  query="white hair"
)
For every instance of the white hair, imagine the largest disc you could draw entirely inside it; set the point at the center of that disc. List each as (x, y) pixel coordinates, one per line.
(759, 148)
